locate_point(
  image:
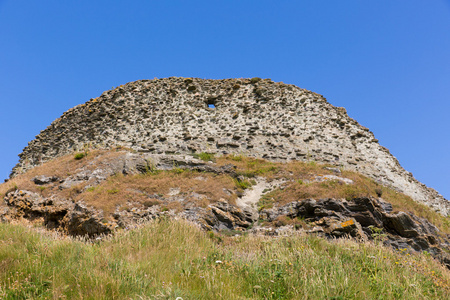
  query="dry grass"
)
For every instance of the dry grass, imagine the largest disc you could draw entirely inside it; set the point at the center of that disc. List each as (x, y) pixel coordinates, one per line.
(60, 167)
(154, 187)
(250, 167)
(199, 189)
(298, 174)
(362, 187)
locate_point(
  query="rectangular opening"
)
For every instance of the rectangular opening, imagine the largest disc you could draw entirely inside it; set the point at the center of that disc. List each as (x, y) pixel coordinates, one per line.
(211, 102)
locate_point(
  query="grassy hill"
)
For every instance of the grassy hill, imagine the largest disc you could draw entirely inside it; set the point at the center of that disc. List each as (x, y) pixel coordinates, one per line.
(166, 259)
(171, 257)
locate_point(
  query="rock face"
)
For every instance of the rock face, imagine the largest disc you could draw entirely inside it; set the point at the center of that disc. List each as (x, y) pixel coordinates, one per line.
(366, 218)
(254, 117)
(74, 219)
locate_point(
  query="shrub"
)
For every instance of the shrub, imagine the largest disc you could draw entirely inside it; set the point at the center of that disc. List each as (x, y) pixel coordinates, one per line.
(150, 203)
(79, 156)
(255, 79)
(379, 192)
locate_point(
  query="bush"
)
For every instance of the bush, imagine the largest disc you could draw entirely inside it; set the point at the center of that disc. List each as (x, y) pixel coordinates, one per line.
(79, 156)
(150, 203)
(255, 79)
(379, 192)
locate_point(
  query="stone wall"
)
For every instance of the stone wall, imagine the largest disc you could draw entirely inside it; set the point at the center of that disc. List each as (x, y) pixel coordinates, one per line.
(252, 117)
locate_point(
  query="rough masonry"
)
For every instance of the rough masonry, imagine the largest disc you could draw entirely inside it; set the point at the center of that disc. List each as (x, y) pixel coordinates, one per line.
(253, 117)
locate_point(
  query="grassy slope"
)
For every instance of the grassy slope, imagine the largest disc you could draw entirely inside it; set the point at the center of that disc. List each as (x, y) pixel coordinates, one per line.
(169, 259)
(117, 190)
(300, 173)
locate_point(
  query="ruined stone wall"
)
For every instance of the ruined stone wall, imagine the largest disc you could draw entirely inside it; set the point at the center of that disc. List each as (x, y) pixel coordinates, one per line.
(257, 118)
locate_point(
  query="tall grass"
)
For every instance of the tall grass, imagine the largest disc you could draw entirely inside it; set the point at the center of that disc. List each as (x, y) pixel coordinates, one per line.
(167, 259)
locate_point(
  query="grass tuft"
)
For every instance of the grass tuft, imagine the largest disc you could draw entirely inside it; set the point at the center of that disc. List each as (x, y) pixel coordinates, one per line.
(79, 155)
(204, 156)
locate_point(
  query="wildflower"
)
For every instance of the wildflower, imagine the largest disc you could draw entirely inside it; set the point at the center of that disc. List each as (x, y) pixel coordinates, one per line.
(219, 262)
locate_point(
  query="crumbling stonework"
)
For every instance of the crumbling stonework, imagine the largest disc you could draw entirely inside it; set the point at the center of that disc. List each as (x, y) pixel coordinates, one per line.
(253, 117)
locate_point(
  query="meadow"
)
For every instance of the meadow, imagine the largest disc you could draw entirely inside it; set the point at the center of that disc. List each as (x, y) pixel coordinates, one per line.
(167, 258)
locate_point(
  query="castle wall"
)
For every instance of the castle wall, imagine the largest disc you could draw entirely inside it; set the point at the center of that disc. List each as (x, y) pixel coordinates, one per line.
(261, 118)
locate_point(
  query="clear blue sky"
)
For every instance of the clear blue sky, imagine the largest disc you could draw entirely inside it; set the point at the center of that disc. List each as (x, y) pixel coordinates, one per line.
(387, 62)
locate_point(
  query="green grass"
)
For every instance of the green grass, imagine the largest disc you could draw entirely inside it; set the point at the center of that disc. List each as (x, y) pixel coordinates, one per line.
(113, 191)
(243, 184)
(204, 156)
(79, 155)
(168, 259)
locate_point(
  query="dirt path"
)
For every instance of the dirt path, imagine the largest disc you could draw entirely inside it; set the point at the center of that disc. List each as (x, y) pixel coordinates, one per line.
(251, 196)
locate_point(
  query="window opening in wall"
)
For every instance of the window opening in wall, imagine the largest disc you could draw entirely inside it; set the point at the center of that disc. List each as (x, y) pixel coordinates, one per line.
(211, 103)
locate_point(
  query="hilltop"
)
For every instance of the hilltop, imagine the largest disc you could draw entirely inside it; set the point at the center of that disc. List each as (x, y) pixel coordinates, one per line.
(253, 117)
(237, 164)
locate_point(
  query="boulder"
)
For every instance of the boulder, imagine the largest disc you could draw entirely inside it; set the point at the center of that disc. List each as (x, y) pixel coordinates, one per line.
(42, 179)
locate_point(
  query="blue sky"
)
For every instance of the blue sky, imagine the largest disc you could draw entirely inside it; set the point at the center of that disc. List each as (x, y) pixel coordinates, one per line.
(387, 62)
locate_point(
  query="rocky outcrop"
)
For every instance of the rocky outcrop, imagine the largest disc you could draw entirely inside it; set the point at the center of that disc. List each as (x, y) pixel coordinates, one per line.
(366, 218)
(74, 219)
(79, 220)
(254, 117)
(362, 218)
